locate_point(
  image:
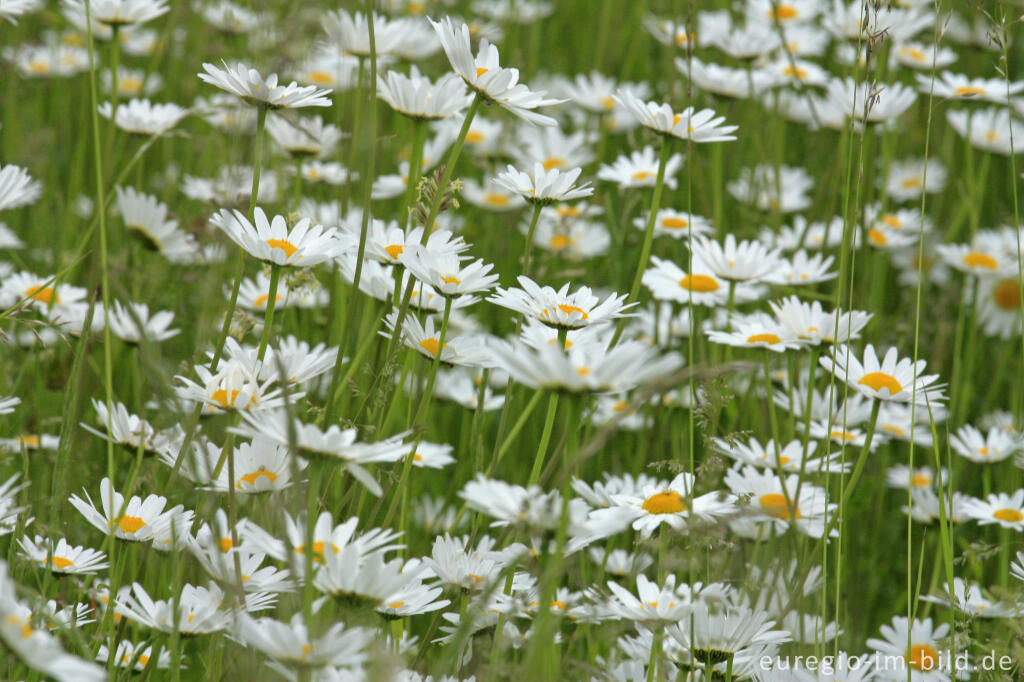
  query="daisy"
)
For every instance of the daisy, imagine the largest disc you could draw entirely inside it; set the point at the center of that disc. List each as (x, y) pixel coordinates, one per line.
(445, 273)
(303, 137)
(8, 239)
(870, 102)
(334, 443)
(130, 430)
(28, 441)
(905, 478)
(137, 656)
(460, 568)
(772, 508)
(119, 12)
(491, 196)
(757, 331)
(418, 98)
(62, 557)
(232, 186)
(991, 130)
(958, 86)
(329, 172)
(908, 179)
(814, 326)
(754, 40)
(220, 565)
(586, 367)
(256, 90)
(254, 294)
(595, 91)
(228, 17)
(576, 240)
(552, 148)
(795, 72)
(790, 457)
(668, 282)
(760, 186)
(133, 323)
(233, 387)
(290, 360)
(544, 187)
(141, 117)
(671, 504)
(716, 638)
(920, 56)
(802, 269)
(516, 505)
(7, 405)
(45, 61)
(486, 77)
(327, 538)
(653, 603)
(146, 216)
(640, 169)
(1005, 509)
(17, 188)
(385, 242)
(699, 126)
(37, 648)
(260, 466)
(994, 446)
(999, 306)
(393, 588)
(744, 262)
(923, 655)
(560, 308)
(891, 379)
(469, 350)
(12, 9)
(349, 33)
(197, 608)
(137, 520)
(926, 507)
(274, 241)
(967, 598)
(675, 224)
(291, 644)
(722, 80)
(985, 255)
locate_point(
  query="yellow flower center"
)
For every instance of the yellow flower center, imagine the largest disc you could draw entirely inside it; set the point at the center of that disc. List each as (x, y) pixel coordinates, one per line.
(39, 67)
(923, 657)
(1008, 515)
(396, 605)
(783, 12)
(570, 309)
(284, 245)
(431, 345)
(876, 381)
(912, 183)
(1007, 294)
(892, 221)
(321, 77)
(395, 250)
(795, 72)
(226, 544)
(699, 283)
(130, 84)
(261, 300)
(991, 136)
(318, 550)
(251, 477)
(553, 162)
(495, 199)
(448, 279)
(977, 259)
(845, 435)
(130, 524)
(42, 294)
(559, 242)
(763, 338)
(29, 441)
(913, 53)
(608, 103)
(877, 237)
(921, 480)
(62, 562)
(642, 175)
(665, 502)
(969, 91)
(474, 137)
(775, 504)
(673, 223)
(480, 71)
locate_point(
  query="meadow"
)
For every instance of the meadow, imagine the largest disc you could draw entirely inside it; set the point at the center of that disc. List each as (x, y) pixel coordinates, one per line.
(511, 339)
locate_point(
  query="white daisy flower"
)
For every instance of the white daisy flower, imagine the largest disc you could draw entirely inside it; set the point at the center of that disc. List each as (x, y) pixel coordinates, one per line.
(291, 644)
(560, 308)
(234, 387)
(994, 446)
(968, 598)
(417, 97)
(814, 326)
(445, 273)
(760, 187)
(958, 86)
(133, 323)
(303, 137)
(137, 520)
(921, 662)
(118, 12)
(144, 215)
(544, 187)
(870, 102)
(487, 77)
(772, 507)
(891, 379)
(137, 656)
(274, 241)
(674, 223)
(141, 117)
(260, 466)
(198, 609)
(991, 130)
(699, 126)
(62, 557)
(17, 188)
(640, 169)
(253, 88)
(1005, 509)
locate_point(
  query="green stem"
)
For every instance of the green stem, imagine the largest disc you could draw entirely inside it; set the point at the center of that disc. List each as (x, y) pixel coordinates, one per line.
(268, 321)
(528, 249)
(545, 438)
